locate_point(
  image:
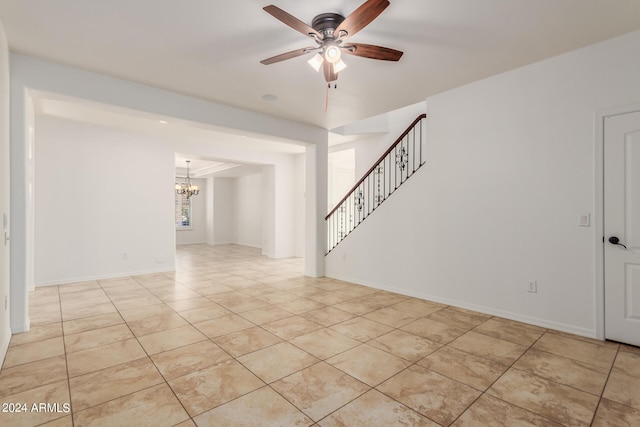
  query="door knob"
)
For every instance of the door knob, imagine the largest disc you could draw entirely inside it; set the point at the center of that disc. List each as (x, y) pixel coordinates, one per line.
(615, 241)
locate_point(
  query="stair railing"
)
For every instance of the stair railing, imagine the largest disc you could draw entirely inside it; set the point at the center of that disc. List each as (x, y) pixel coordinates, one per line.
(401, 160)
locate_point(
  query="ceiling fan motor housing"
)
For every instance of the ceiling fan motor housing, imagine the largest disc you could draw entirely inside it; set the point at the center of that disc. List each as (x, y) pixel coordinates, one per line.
(326, 23)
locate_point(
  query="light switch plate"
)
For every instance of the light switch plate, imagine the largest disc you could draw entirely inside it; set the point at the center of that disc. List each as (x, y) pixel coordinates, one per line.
(584, 220)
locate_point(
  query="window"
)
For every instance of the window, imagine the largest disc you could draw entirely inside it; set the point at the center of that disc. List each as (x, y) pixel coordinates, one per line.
(183, 212)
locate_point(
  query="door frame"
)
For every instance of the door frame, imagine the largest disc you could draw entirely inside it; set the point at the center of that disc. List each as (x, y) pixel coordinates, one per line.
(599, 207)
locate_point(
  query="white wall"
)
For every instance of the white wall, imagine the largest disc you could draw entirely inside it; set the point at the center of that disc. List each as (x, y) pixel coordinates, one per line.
(269, 212)
(237, 210)
(370, 147)
(315, 186)
(31, 73)
(114, 222)
(104, 203)
(341, 175)
(299, 206)
(284, 220)
(511, 165)
(5, 330)
(197, 233)
(223, 211)
(248, 210)
(209, 206)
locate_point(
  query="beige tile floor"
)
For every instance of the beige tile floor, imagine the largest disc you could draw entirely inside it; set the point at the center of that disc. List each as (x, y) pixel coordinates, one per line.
(236, 339)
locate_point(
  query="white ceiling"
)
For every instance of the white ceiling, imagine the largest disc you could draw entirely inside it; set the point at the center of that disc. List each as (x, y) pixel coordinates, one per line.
(70, 108)
(211, 49)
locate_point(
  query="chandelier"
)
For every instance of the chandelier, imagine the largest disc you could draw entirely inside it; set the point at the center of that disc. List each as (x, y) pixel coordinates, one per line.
(186, 188)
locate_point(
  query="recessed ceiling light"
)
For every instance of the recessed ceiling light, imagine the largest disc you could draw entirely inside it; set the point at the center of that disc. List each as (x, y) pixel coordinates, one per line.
(164, 122)
(269, 97)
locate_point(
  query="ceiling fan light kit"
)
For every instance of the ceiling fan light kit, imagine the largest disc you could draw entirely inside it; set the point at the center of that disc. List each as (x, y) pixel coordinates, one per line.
(330, 31)
(339, 66)
(332, 52)
(316, 61)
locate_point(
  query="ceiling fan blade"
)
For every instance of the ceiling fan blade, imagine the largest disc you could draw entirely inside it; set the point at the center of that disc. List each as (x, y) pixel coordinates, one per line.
(372, 51)
(288, 55)
(291, 21)
(361, 17)
(329, 74)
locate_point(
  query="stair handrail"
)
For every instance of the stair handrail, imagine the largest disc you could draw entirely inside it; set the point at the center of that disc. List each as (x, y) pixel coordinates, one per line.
(394, 167)
(389, 150)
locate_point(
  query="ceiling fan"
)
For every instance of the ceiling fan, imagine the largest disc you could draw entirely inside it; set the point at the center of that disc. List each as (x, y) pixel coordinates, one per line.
(330, 31)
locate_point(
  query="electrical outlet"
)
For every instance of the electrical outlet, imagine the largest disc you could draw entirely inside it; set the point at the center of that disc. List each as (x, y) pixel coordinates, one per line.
(532, 287)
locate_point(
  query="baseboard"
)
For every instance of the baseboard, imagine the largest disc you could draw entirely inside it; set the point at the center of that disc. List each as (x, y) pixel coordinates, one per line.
(21, 328)
(248, 245)
(544, 323)
(4, 345)
(102, 277)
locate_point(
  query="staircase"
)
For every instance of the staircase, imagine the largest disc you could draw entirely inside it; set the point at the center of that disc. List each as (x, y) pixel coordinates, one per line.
(401, 160)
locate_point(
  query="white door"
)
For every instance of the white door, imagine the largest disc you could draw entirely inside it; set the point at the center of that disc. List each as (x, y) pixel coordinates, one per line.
(5, 333)
(622, 227)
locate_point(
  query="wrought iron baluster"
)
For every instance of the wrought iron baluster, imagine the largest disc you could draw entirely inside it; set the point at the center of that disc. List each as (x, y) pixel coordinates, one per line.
(379, 170)
(351, 213)
(331, 232)
(389, 174)
(403, 158)
(341, 234)
(359, 200)
(368, 195)
(395, 170)
(413, 151)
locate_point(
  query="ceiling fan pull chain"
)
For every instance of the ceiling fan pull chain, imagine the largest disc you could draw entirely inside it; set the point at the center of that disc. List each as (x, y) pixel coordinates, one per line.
(326, 102)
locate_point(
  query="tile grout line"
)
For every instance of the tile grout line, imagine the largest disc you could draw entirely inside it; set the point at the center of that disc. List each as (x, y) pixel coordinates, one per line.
(509, 367)
(147, 356)
(604, 387)
(66, 360)
(323, 327)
